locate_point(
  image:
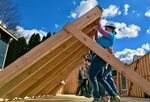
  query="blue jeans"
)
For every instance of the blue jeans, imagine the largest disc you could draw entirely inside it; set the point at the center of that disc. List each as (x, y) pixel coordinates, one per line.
(97, 67)
(107, 76)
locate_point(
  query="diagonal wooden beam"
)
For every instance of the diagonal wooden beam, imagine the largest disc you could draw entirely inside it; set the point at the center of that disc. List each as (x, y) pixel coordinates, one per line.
(109, 58)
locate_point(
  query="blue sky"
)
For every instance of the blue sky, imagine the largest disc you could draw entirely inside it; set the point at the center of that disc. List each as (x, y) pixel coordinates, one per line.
(132, 17)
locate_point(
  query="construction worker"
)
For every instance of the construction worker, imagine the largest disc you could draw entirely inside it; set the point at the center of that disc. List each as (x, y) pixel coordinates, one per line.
(97, 65)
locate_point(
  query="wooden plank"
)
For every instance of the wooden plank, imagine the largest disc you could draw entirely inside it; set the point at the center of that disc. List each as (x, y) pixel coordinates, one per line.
(46, 68)
(148, 59)
(26, 59)
(148, 64)
(18, 65)
(36, 55)
(40, 83)
(33, 77)
(141, 66)
(108, 57)
(62, 75)
(71, 67)
(12, 84)
(138, 71)
(146, 68)
(88, 18)
(35, 68)
(89, 32)
(130, 83)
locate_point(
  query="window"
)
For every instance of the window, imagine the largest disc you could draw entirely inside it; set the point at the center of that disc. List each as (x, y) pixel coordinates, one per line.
(3, 46)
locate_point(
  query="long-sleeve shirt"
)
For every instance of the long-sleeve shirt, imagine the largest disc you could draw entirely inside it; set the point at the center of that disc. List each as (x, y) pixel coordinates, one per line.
(107, 39)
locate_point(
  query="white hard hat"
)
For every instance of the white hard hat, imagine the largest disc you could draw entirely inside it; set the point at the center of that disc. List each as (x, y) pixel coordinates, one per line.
(110, 24)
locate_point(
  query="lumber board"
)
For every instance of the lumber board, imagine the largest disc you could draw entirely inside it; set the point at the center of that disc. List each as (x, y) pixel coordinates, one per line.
(21, 64)
(60, 76)
(148, 59)
(90, 32)
(65, 73)
(146, 68)
(24, 61)
(140, 65)
(47, 78)
(25, 74)
(88, 18)
(51, 91)
(134, 77)
(45, 68)
(59, 52)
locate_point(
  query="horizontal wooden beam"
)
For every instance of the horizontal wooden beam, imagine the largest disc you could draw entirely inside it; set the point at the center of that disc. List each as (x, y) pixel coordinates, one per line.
(109, 58)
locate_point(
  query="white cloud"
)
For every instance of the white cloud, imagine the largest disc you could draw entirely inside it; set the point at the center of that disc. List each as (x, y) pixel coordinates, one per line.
(111, 11)
(56, 25)
(85, 6)
(146, 46)
(147, 13)
(1, 22)
(73, 15)
(148, 31)
(124, 30)
(126, 7)
(129, 31)
(28, 33)
(127, 55)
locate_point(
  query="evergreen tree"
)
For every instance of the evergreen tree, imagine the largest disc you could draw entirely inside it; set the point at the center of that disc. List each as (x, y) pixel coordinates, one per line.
(46, 37)
(16, 50)
(21, 48)
(34, 41)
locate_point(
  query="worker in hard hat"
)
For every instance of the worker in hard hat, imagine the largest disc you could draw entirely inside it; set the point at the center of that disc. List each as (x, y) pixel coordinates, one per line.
(97, 66)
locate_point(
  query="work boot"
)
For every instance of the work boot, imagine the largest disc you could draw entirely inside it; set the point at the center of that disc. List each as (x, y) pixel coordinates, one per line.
(115, 99)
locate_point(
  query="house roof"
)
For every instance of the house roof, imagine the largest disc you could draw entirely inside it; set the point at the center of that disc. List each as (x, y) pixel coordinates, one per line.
(9, 33)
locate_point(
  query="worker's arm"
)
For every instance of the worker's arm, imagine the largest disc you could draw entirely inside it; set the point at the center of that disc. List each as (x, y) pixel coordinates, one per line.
(103, 32)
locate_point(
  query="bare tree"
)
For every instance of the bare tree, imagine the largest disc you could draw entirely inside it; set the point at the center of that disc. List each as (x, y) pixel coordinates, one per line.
(9, 15)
